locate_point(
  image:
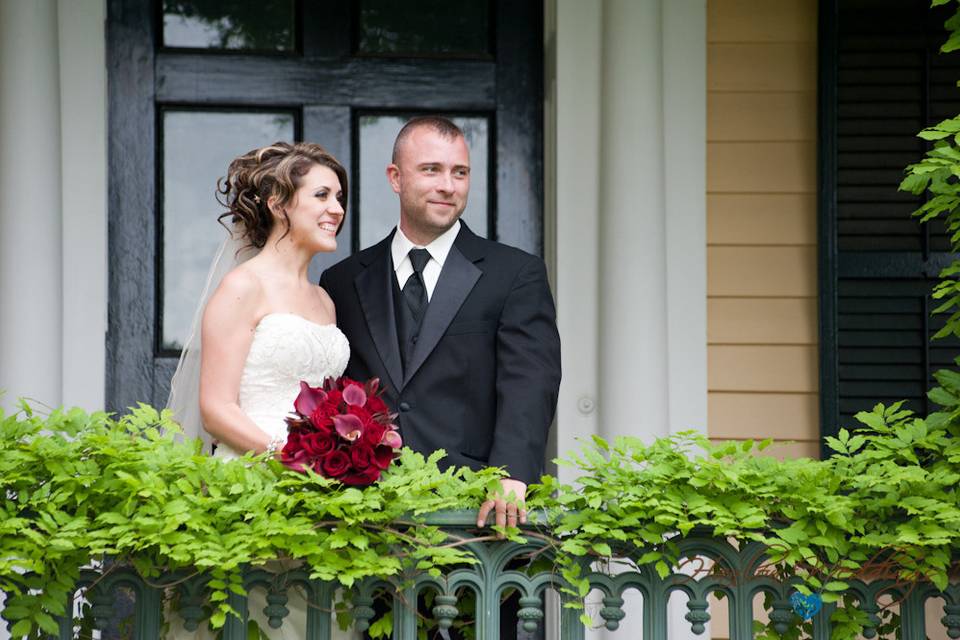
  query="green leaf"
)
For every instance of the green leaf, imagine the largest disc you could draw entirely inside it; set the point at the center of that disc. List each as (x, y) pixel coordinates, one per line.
(663, 570)
(382, 627)
(47, 623)
(914, 183)
(934, 134)
(583, 587)
(20, 628)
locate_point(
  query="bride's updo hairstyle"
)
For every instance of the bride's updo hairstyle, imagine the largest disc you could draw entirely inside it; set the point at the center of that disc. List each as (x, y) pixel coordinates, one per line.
(275, 171)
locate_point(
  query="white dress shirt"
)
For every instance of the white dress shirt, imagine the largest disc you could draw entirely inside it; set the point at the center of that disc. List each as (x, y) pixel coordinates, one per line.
(438, 249)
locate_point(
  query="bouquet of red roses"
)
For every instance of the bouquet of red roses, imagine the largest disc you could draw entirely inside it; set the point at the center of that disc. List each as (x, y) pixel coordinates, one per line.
(342, 430)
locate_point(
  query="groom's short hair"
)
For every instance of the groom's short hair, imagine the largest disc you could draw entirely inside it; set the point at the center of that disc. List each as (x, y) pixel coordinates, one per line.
(444, 126)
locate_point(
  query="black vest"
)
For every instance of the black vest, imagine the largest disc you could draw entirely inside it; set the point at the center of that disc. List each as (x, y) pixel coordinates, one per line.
(407, 329)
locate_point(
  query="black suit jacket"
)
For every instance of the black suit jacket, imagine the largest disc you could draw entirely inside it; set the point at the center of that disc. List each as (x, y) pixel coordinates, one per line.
(484, 376)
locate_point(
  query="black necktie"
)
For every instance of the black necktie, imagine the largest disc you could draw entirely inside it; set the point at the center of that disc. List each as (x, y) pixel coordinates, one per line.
(414, 290)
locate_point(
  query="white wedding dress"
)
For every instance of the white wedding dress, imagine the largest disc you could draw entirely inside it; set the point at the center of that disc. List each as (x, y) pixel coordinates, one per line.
(286, 349)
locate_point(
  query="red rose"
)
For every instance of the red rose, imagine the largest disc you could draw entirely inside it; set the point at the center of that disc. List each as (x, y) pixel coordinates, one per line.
(372, 474)
(336, 464)
(361, 456)
(317, 444)
(373, 434)
(320, 419)
(382, 456)
(293, 443)
(376, 405)
(361, 478)
(333, 401)
(360, 412)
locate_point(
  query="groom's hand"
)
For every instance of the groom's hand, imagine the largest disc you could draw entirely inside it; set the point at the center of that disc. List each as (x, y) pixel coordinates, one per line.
(508, 504)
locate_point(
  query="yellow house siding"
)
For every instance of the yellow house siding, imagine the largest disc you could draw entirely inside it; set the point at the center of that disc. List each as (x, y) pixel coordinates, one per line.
(761, 223)
(761, 271)
(756, 67)
(775, 21)
(775, 414)
(746, 116)
(762, 321)
(760, 167)
(762, 351)
(761, 219)
(761, 228)
(762, 369)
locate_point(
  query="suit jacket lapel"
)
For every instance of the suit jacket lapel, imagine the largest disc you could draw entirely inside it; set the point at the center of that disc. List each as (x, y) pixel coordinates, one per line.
(375, 291)
(456, 281)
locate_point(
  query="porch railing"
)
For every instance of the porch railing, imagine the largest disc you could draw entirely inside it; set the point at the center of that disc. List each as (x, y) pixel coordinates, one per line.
(736, 573)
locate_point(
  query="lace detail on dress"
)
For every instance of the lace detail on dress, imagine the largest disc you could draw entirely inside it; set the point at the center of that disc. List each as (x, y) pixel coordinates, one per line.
(286, 349)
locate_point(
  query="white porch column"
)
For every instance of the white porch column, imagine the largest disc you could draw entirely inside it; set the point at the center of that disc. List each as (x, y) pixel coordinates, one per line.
(83, 117)
(576, 98)
(684, 71)
(30, 226)
(633, 261)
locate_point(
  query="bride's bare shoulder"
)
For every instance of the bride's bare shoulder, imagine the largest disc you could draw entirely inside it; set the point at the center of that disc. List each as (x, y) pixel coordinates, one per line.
(240, 290)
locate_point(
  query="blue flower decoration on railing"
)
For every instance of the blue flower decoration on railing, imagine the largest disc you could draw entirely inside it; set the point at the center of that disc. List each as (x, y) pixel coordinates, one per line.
(806, 606)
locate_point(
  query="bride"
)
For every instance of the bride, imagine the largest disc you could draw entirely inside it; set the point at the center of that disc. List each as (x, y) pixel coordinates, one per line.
(265, 326)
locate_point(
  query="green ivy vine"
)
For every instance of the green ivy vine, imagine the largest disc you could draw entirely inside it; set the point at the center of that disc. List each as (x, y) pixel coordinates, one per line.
(77, 488)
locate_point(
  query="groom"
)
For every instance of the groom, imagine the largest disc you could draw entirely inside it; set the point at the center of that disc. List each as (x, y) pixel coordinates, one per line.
(460, 330)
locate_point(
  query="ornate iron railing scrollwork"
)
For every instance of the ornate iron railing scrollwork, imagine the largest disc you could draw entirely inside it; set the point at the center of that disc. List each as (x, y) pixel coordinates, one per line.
(733, 569)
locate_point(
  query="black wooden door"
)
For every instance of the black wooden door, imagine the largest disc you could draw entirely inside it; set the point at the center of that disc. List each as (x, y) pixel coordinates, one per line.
(194, 83)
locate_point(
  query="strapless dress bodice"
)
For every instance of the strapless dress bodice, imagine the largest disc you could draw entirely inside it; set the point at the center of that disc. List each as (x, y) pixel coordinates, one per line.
(286, 349)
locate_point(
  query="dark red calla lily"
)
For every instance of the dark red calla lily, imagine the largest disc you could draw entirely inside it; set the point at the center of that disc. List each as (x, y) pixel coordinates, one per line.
(308, 399)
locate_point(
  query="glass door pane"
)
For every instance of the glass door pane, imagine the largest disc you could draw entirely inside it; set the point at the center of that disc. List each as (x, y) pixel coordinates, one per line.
(251, 25)
(197, 148)
(424, 28)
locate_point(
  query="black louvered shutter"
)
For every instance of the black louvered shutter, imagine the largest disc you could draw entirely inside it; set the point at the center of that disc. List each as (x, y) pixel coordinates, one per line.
(890, 83)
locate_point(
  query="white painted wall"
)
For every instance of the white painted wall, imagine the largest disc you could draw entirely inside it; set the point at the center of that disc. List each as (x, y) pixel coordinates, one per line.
(53, 194)
(629, 105)
(31, 306)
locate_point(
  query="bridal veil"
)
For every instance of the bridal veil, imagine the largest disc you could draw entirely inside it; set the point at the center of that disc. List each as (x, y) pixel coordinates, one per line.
(184, 399)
